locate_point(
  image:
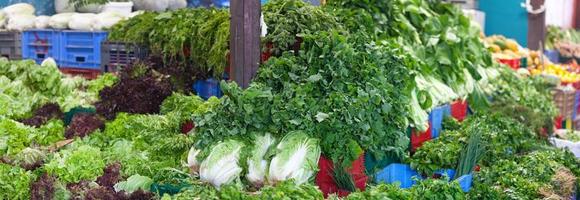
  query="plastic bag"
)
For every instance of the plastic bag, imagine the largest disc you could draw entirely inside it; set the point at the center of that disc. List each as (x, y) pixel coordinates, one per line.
(82, 21)
(177, 4)
(91, 8)
(19, 9)
(154, 5)
(574, 147)
(20, 22)
(133, 14)
(124, 8)
(263, 26)
(107, 20)
(158, 5)
(41, 22)
(63, 6)
(60, 21)
(139, 4)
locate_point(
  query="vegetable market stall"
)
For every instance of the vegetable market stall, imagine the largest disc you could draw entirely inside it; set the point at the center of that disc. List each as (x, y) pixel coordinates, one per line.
(345, 82)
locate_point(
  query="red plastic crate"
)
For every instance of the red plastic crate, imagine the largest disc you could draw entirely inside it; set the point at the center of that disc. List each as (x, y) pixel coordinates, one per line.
(513, 63)
(417, 139)
(325, 180)
(86, 73)
(459, 110)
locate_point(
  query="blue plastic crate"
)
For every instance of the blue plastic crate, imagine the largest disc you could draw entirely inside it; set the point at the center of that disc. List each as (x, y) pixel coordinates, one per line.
(436, 118)
(553, 55)
(446, 110)
(207, 88)
(39, 44)
(465, 182)
(221, 3)
(398, 173)
(81, 49)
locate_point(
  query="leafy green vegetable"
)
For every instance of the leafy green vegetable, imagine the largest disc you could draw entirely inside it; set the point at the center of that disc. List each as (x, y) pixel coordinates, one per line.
(103, 81)
(442, 153)
(30, 158)
(134, 183)
(437, 189)
(157, 135)
(48, 134)
(289, 190)
(520, 178)
(13, 137)
(14, 182)
(187, 106)
(380, 192)
(197, 37)
(470, 155)
(134, 161)
(76, 164)
(288, 20)
(200, 191)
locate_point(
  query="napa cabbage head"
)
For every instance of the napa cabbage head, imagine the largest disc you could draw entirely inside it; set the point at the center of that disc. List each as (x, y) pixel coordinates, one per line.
(222, 165)
(49, 62)
(296, 158)
(134, 183)
(257, 162)
(418, 116)
(192, 161)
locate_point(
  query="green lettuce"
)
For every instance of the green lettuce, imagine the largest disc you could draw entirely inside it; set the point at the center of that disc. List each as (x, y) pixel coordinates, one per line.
(73, 165)
(14, 137)
(14, 182)
(49, 133)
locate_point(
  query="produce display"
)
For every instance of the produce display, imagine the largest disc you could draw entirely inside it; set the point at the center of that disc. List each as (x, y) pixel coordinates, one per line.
(566, 42)
(347, 83)
(503, 48)
(566, 73)
(196, 40)
(556, 34)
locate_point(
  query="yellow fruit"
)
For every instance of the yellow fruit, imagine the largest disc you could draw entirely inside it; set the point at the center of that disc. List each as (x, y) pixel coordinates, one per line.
(494, 48)
(512, 45)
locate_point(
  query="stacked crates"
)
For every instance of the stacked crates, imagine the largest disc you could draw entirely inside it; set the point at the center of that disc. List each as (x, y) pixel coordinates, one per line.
(11, 45)
(116, 55)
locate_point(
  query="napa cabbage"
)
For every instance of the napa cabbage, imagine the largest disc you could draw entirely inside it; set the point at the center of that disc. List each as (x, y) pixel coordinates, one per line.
(296, 158)
(222, 165)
